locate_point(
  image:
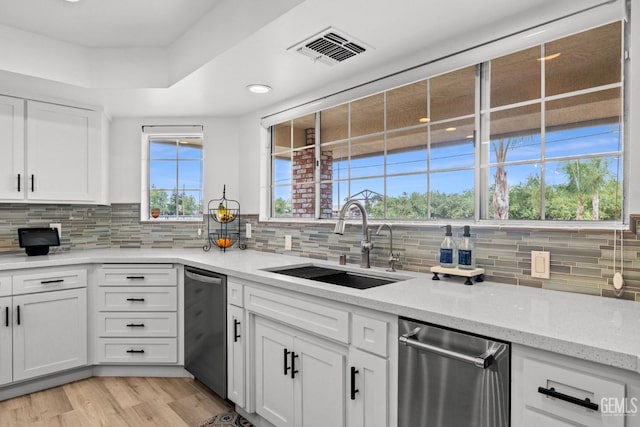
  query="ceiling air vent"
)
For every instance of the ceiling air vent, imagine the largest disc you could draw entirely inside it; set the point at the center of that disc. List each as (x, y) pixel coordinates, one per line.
(330, 47)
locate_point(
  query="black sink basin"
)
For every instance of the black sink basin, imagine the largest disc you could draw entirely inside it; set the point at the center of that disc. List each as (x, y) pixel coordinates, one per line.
(334, 276)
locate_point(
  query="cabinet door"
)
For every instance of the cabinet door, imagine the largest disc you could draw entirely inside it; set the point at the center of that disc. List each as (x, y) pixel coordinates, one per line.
(370, 404)
(6, 339)
(235, 354)
(320, 385)
(49, 332)
(274, 386)
(63, 153)
(12, 179)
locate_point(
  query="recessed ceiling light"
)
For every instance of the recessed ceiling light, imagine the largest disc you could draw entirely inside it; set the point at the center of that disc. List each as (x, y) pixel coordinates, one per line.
(451, 129)
(424, 120)
(259, 88)
(549, 57)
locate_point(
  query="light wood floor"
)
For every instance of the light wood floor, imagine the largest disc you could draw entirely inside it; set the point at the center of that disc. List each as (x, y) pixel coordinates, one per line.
(115, 402)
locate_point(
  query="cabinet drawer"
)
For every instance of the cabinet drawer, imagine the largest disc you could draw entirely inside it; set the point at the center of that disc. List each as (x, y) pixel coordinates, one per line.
(137, 324)
(161, 276)
(370, 334)
(540, 376)
(310, 316)
(137, 350)
(5, 286)
(137, 299)
(49, 280)
(235, 293)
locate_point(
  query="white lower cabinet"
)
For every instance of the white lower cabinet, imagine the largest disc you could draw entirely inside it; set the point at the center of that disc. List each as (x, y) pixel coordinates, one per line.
(236, 335)
(299, 382)
(368, 404)
(49, 332)
(554, 390)
(6, 340)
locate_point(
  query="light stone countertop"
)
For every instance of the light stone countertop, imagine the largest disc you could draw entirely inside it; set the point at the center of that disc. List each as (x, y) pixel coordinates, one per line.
(598, 329)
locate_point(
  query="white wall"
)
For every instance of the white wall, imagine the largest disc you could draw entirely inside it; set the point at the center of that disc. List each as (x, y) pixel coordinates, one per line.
(221, 151)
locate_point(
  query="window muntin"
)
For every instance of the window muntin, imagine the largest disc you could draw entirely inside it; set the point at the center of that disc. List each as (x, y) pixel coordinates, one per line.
(175, 178)
(535, 119)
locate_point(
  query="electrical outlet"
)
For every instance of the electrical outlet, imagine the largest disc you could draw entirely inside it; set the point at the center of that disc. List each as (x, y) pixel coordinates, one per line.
(199, 231)
(247, 232)
(58, 226)
(540, 264)
(287, 242)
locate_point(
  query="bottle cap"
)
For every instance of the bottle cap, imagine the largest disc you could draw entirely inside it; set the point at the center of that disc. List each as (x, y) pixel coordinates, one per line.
(447, 230)
(466, 232)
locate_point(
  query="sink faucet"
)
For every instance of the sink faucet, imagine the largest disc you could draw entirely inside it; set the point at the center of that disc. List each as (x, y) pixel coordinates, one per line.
(365, 245)
(392, 258)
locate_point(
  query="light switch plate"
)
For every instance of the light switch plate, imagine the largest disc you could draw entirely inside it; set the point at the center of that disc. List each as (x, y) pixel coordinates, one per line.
(247, 231)
(540, 264)
(287, 242)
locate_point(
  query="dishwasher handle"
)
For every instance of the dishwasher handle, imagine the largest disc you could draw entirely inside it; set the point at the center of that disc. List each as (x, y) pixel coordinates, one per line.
(202, 278)
(482, 361)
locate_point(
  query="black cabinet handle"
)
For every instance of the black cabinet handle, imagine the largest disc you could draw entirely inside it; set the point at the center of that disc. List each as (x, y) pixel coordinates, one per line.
(135, 277)
(294, 371)
(236, 335)
(6, 316)
(19, 183)
(33, 180)
(136, 299)
(135, 325)
(586, 402)
(135, 351)
(18, 315)
(354, 390)
(44, 282)
(286, 367)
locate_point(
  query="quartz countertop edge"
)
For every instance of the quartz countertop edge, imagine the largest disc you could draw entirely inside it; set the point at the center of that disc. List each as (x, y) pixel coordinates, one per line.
(597, 329)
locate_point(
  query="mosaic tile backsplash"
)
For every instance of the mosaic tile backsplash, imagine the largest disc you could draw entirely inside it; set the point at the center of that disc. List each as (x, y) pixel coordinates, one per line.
(581, 261)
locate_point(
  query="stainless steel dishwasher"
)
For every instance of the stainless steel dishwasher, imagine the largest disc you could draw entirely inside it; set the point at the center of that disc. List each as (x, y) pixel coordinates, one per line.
(451, 379)
(205, 319)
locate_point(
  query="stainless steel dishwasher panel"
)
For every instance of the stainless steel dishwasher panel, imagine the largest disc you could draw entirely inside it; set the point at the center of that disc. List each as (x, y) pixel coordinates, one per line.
(451, 379)
(205, 320)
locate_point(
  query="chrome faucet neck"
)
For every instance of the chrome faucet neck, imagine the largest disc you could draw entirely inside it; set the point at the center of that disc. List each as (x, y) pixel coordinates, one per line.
(365, 244)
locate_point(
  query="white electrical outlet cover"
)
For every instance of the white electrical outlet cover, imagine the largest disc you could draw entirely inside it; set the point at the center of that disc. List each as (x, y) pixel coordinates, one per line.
(287, 242)
(540, 264)
(248, 231)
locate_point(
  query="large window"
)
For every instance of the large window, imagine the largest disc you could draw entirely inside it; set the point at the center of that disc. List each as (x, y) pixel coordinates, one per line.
(173, 189)
(533, 135)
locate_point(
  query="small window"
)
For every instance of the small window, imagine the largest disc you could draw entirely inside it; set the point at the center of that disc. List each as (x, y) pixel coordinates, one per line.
(172, 188)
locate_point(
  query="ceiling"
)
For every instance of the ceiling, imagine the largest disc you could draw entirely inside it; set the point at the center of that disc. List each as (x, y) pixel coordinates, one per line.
(172, 58)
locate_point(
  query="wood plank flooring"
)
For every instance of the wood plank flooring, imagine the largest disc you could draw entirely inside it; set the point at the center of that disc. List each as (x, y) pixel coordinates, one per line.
(115, 402)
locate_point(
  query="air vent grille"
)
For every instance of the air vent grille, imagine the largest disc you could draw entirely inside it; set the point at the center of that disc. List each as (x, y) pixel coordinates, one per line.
(330, 47)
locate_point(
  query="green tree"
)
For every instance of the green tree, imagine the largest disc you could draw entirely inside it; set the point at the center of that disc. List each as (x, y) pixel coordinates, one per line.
(158, 199)
(282, 207)
(585, 179)
(501, 194)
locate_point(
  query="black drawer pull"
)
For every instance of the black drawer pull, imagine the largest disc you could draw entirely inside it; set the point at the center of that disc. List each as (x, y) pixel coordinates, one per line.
(294, 371)
(135, 351)
(354, 390)
(135, 325)
(236, 335)
(586, 402)
(136, 299)
(135, 277)
(45, 282)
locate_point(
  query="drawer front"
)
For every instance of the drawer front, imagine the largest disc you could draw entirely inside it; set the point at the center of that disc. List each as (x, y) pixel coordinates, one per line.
(5, 286)
(161, 276)
(137, 299)
(137, 350)
(235, 293)
(370, 334)
(572, 383)
(49, 280)
(137, 324)
(310, 316)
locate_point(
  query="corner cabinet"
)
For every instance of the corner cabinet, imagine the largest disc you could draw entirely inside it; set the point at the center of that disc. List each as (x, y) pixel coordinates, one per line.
(54, 153)
(314, 362)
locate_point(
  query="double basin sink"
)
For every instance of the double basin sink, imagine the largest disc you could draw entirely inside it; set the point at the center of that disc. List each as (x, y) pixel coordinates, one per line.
(335, 276)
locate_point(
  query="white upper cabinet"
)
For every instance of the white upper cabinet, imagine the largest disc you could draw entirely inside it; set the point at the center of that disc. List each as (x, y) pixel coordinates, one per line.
(53, 153)
(63, 153)
(12, 148)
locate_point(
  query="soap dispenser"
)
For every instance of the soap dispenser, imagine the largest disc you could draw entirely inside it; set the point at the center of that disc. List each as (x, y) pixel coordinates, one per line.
(466, 258)
(447, 249)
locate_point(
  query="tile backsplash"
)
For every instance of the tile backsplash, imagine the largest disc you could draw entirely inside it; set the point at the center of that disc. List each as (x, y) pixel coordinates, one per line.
(581, 261)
